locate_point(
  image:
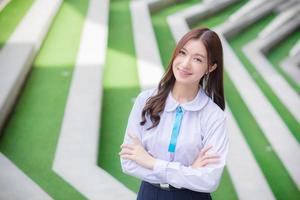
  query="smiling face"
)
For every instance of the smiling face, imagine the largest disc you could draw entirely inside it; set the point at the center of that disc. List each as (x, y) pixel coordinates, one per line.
(191, 63)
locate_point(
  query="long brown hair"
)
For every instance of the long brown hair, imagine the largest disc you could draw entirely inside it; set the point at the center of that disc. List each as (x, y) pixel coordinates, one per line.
(211, 83)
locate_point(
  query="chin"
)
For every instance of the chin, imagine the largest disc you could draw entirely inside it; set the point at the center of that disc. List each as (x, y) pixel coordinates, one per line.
(186, 82)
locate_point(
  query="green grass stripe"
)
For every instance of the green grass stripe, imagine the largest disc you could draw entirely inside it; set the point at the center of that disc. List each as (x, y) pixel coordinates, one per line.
(280, 52)
(278, 178)
(11, 16)
(237, 44)
(166, 42)
(121, 85)
(31, 135)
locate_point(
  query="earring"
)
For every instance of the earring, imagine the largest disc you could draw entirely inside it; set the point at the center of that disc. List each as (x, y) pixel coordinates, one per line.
(205, 81)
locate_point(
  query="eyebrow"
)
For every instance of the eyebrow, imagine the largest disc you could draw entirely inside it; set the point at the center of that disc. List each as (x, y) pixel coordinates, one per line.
(197, 54)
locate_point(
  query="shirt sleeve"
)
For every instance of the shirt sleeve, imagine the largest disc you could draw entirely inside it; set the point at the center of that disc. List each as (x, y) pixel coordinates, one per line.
(157, 175)
(204, 179)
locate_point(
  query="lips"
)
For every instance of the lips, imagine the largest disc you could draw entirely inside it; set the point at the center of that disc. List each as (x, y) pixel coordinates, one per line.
(184, 72)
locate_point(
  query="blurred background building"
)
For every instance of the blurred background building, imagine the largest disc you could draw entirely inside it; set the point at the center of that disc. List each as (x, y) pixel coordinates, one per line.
(70, 71)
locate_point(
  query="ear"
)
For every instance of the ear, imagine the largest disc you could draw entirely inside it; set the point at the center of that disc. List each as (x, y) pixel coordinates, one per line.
(212, 68)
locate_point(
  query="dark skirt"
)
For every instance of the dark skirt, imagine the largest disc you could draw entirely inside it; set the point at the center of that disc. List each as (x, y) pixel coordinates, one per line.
(150, 192)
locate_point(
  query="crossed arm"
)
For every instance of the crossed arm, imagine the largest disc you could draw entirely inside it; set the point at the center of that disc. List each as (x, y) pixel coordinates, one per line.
(202, 175)
(138, 154)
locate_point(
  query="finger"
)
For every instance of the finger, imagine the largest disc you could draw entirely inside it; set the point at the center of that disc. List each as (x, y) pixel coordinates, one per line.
(127, 157)
(210, 156)
(210, 161)
(203, 151)
(126, 151)
(206, 149)
(127, 146)
(133, 137)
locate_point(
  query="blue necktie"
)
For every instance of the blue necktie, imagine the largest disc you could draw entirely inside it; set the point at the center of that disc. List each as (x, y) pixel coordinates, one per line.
(175, 131)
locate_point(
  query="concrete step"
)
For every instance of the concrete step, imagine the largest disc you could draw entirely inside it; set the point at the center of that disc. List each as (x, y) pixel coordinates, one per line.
(17, 55)
(279, 22)
(255, 52)
(295, 50)
(249, 16)
(192, 15)
(291, 64)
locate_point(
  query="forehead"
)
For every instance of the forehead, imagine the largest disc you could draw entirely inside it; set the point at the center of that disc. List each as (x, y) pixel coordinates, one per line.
(195, 46)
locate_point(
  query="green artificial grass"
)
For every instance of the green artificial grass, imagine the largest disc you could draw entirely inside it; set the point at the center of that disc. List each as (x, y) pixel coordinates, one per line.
(31, 134)
(166, 43)
(121, 85)
(277, 176)
(280, 52)
(237, 43)
(11, 16)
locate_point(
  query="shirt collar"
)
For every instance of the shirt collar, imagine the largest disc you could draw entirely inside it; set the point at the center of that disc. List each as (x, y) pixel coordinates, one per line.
(196, 104)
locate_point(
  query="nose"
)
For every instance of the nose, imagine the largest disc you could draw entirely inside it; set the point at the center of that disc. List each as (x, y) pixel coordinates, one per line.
(185, 62)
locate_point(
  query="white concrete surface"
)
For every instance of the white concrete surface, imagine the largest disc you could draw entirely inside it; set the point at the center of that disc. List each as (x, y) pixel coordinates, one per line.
(150, 69)
(296, 49)
(286, 5)
(291, 68)
(16, 185)
(291, 64)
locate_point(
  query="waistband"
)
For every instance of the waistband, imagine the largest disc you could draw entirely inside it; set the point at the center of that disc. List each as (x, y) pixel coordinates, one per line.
(164, 186)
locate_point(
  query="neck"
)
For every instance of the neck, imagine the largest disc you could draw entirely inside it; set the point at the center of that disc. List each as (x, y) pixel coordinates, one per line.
(184, 93)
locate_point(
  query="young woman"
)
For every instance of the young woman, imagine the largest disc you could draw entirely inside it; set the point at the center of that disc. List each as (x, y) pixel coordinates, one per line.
(176, 139)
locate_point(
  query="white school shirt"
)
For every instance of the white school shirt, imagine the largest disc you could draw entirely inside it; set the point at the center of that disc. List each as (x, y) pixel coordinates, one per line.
(203, 124)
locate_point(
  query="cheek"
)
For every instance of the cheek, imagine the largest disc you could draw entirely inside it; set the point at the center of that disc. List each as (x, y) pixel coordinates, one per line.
(175, 62)
(174, 71)
(199, 72)
(200, 69)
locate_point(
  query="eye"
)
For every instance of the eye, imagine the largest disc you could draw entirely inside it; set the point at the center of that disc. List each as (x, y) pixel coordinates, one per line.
(182, 52)
(198, 60)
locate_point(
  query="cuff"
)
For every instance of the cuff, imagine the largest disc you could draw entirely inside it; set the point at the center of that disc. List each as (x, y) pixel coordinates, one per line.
(160, 167)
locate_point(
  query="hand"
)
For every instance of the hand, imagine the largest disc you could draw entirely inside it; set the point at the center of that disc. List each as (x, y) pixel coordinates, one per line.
(204, 158)
(136, 152)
